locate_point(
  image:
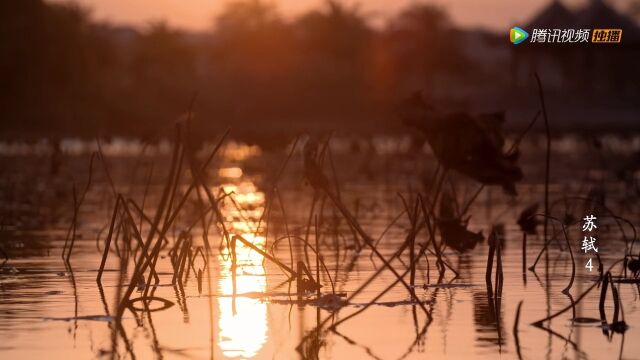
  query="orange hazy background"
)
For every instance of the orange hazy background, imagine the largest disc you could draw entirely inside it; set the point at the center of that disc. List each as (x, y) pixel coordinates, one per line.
(198, 15)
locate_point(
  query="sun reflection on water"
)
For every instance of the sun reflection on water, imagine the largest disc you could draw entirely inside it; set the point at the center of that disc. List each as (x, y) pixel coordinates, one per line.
(243, 325)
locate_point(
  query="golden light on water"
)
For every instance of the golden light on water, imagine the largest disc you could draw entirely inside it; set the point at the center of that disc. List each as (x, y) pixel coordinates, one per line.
(243, 320)
(239, 152)
(243, 327)
(230, 172)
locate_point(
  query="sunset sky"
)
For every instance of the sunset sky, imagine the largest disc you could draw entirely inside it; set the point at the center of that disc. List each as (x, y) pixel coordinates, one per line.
(198, 14)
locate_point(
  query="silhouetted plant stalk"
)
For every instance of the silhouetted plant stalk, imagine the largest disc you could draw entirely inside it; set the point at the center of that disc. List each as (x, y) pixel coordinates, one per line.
(490, 256)
(524, 256)
(194, 184)
(175, 250)
(603, 208)
(116, 208)
(369, 242)
(286, 224)
(145, 192)
(412, 234)
(495, 252)
(543, 250)
(412, 247)
(129, 220)
(294, 275)
(308, 228)
(615, 325)
(566, 237)
(318, 180)
(123, 227)
(318, 256)
(122, 219)
(182, 260)
(603, 297)
(431, 224)
(268, 199)
(74, 224)
(154, 257)
(308, 284)
(440, 263)
(547, 171)
(499, 272)
(334, 175)
(144, 261)
(199, 178)
(578, 299)
(234, 259)
(77, 202)
(421, 252)
(494, 294)
(5, 255)
(516, 337)
(412, 215)
(512, 150)
(303, 285)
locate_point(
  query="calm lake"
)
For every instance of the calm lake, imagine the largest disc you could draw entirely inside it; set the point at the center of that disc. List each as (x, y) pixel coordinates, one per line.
(57, 311)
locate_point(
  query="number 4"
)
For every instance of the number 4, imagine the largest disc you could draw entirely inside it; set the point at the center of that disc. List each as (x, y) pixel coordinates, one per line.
(589, 265)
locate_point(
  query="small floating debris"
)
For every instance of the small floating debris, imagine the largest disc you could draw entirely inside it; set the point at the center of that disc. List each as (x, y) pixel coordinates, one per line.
(617, 327)
(445, 286)
(85, 317)
(330, 301)
(400, 303)
(393, 303)
(585, 321)
(10, 270)
(326, 301)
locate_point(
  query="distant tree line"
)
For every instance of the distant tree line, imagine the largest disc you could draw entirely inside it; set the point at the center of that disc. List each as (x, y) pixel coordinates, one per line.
(66, 75)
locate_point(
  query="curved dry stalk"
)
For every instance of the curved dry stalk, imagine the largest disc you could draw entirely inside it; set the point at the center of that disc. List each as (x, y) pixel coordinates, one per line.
(315, 251)
(565, 309)
(547, 169)
(566, 237)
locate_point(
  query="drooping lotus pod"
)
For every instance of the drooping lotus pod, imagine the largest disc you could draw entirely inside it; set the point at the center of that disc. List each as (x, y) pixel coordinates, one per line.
(471, 145)
(453, 229)
(527, 220)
